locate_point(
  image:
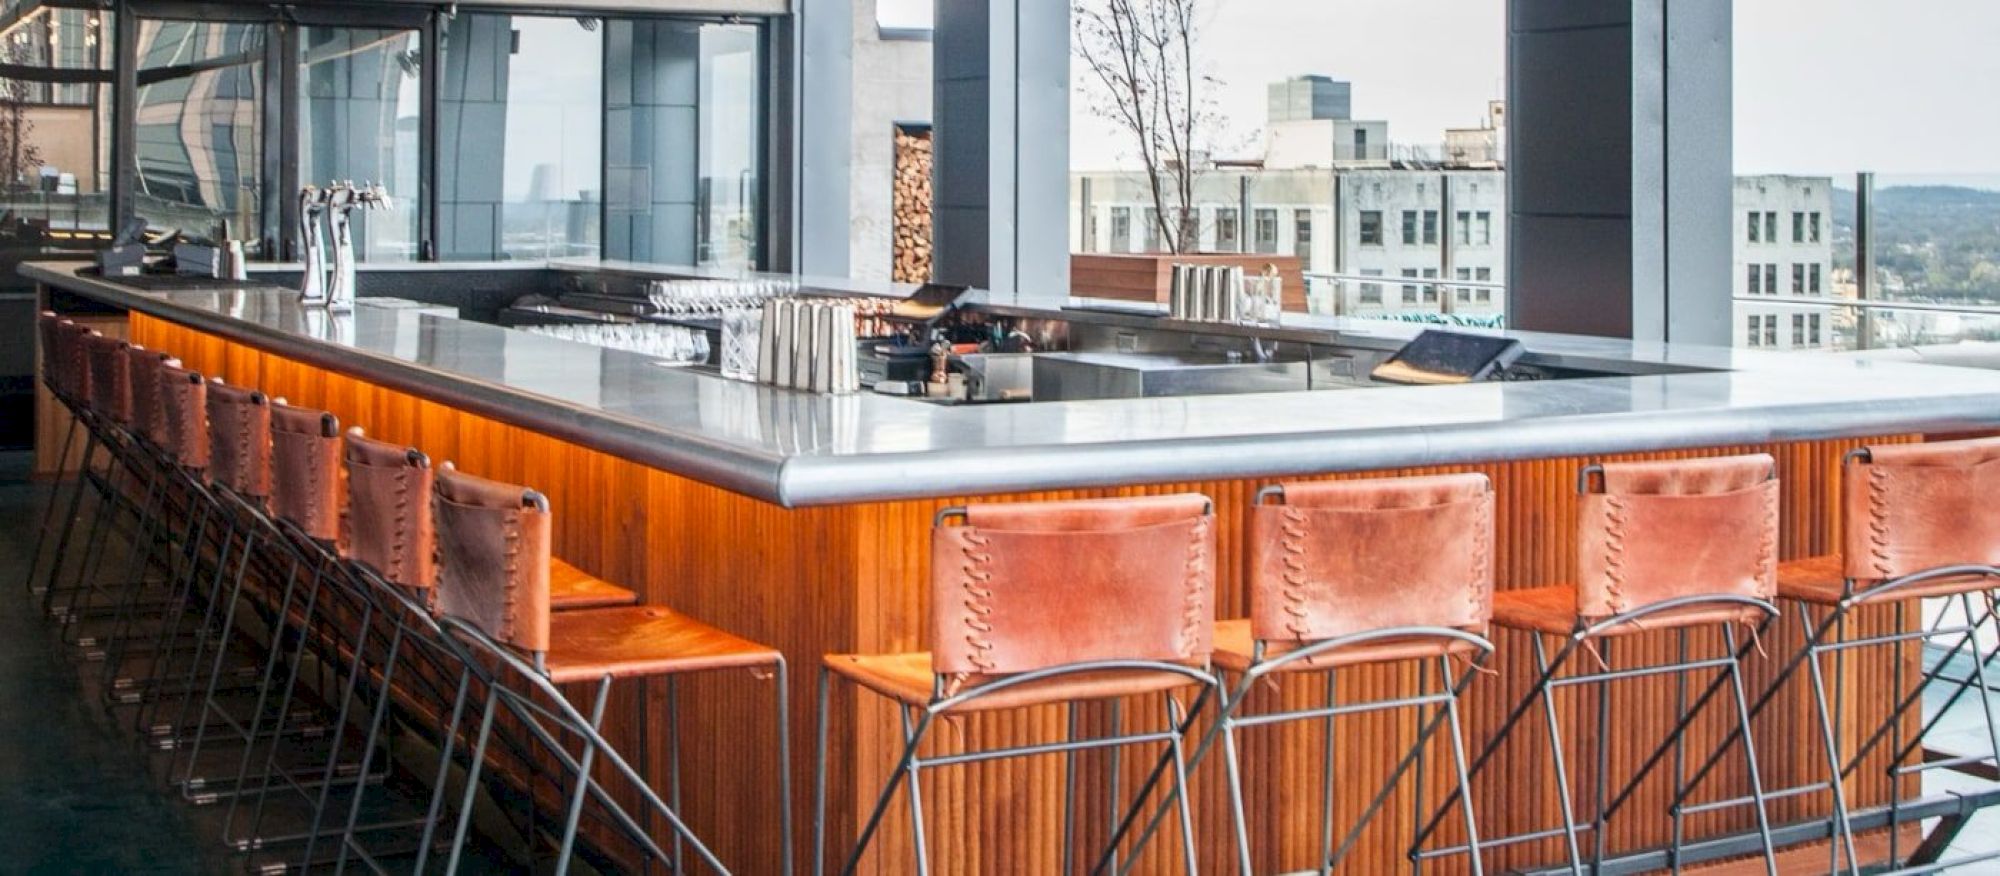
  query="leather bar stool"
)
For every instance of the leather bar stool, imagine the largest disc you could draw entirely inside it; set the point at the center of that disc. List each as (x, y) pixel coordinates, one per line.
(68, 369)
(1386, 571)
(49, 336)
(1920, 528)
(104, 413)
(493, 573)
(1047, 603)
(1663, 548)
(163, 507)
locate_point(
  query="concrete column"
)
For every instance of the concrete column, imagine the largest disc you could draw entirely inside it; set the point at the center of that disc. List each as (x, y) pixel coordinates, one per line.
(824, 141)
(1001, 128)
(1619, 168)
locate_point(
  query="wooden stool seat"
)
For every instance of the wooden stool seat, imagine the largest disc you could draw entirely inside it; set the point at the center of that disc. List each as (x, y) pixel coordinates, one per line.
(1822, 580)
(573, 588)
(1234, 644)
(1552, 610)
(910, 679)
(643, 640)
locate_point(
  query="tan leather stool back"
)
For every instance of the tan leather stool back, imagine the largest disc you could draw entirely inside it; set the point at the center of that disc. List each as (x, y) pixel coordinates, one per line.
(110, 377)
(1912, 507)
(184, 416)
(1663, 530)
(1033, 585)
(388, 519)
(72, 361)
(493, 557)
(239, 439)
(1342, 557)
(305, 469)
(48, 332)
(143, 366)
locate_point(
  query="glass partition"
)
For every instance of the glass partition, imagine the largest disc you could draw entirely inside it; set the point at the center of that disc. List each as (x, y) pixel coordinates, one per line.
(200, 125)
(359, 112)
(54, 112)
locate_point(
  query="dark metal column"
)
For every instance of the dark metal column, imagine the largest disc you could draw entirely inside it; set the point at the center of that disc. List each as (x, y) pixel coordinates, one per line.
(124, 114)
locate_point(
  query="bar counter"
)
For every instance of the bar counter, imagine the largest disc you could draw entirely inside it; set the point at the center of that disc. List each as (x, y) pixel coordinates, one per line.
(803, 520)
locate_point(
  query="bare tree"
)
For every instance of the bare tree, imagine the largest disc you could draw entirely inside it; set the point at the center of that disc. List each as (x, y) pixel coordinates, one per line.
(18, 157)
(1143, 61)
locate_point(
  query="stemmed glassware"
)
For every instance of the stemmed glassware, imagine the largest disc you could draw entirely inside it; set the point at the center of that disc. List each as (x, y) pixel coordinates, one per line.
(677, 345)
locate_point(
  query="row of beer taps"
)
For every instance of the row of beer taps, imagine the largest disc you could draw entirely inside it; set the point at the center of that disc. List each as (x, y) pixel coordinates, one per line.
(331, 206)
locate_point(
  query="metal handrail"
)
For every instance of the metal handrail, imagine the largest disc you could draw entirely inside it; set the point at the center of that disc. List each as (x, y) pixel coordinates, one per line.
(1829, 302)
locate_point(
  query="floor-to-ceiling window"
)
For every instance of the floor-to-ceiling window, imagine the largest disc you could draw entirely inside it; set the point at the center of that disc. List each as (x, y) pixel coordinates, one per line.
(359, 110)
(200, 124)
(683, 142)
(521, 132)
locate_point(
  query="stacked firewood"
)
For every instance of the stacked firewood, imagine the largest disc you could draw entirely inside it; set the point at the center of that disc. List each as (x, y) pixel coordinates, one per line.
(912, 207)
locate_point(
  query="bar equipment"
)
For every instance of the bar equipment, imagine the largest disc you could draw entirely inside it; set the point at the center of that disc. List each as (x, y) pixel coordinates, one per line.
(1263, 299)
(341, 204)
(809, 345)
(312, 281)
(1205, 293)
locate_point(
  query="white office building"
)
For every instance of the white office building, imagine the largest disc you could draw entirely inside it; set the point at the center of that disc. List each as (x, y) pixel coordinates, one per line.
(1784, 252)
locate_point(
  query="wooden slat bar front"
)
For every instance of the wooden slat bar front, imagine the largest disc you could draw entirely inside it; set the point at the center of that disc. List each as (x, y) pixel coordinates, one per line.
(853, 578)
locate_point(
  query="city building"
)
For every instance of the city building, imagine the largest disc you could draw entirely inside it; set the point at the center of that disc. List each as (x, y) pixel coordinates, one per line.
(1330, 190)
(1783, 252)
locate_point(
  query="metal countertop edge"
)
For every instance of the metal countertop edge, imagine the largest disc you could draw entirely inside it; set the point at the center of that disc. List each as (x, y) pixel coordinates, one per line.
(721, 465)
(807, 481)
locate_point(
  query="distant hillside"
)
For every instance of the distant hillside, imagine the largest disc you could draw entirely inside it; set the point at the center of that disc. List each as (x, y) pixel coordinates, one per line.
(1938, 243)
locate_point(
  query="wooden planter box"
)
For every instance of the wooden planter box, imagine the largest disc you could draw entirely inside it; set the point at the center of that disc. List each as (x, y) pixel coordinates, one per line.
(1149, 276)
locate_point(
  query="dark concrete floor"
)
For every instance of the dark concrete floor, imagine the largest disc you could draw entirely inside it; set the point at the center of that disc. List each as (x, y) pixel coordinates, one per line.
(76, 793)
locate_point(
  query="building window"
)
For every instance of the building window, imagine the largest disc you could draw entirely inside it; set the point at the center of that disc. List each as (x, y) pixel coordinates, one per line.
(1755, 276)
(1798, 329)
(1267, 230)
(1812, 226)
(1361, 144)
(1812, 329)
(1431, 288)
(1302, 238)
(1483, 275)
(1371, 293)
(1798, 279)
(1121, 229)
(1430, 227)
(1409, 228)
(1751, 336)
(1485, 235)
(1465, 273)
(1753, 226)
(1409, 289)
(1813, 276)
(1771, 330)
(1371, 228)
(1463, 233)
(1770, 279)
(1227, 235)
(1152, 231)
(1798, 226)
(1770, 226)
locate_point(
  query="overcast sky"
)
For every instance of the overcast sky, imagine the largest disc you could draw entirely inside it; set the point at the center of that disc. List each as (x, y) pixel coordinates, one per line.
(1822, 86)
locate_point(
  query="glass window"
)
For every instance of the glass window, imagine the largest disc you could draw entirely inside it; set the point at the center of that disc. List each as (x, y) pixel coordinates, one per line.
(1152, 230)
(201, 125)
(1485, 228)
(1798, 279)
(1430, 289)
(61, 171)
(1371, 228)
(1753, 226)
(1771, 331)
(683, 102)
(1812, 226)
(1463, 233)
(1267, 230)
(1812, 330)
(1770, 279)
(1371, 293)
(1430, 227)
(521, 137)
(1812, 276)
(1753, 276)
(1798, 329)
(1302, 237)
(1798, 226)
(1227, 235)
(1409, 289)
(1483, 275)
(1751, 336)
(1771, 226)
(1409, 228)
(358, 121)
(1121, 229)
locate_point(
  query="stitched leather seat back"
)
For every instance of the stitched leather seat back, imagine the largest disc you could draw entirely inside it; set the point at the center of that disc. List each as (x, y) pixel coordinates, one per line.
(1343, 557)
(48, 332)
(1033, 585)
(110, 377)
(1912, 507)
(1662, 530)
(184, 416)
(72, 361)
(492, 558)
(143, 366)
(239, 439)
(388, 519)
(305, 469)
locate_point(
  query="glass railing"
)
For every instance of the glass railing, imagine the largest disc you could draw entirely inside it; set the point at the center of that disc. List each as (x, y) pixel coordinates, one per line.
(1408, 299)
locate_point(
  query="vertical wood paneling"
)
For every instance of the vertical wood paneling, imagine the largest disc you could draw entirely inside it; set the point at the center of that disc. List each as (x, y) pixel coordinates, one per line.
(853, 578)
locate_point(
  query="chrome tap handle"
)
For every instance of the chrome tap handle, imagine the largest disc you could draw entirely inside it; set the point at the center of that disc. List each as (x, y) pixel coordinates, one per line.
(312, 282)
(339, 207)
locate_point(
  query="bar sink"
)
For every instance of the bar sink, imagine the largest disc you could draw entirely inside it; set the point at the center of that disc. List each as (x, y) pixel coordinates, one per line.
(1077, 376)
